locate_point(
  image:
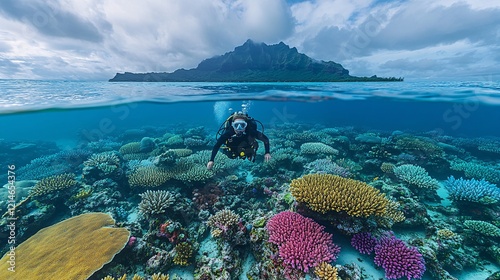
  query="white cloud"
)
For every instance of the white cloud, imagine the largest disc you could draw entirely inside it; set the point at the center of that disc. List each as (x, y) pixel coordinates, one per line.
(95, 38)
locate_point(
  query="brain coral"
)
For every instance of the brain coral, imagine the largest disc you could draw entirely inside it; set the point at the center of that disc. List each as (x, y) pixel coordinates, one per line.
(72, 249)
(326, 192)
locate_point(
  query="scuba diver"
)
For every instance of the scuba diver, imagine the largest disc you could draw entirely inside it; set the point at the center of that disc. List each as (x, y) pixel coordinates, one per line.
(239, 136)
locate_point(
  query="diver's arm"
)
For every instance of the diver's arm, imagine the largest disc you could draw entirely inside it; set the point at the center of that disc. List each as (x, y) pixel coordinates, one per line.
(262, 137)
(217, 145)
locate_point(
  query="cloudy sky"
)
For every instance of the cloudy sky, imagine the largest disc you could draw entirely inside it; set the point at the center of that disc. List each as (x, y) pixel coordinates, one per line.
(94, 39)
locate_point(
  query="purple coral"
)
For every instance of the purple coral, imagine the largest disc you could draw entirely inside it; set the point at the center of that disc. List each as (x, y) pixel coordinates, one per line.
(302, 242)
(398, 260)
(364, 242)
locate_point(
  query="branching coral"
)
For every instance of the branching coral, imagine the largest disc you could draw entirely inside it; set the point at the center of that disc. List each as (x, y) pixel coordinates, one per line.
(398, 260)
(483, 228)
(302, 243)
(155, 202)
(149, 176)
(326, 271)
(473, 190)
(314, 148)
(54, 183)
(223, 222)
(415, 176)
(102, 165)
(325, 192)
(183, 252)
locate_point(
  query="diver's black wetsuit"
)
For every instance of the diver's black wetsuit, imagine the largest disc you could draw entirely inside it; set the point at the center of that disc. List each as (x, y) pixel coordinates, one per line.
(242, 146)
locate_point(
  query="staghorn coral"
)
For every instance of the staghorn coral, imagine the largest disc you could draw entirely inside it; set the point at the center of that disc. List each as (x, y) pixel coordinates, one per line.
(326, 271)
(149, 176)
(54, 183)
(483, 227)
(473, 190)
(325, 192)
(223, 222)
(155, 202)
(183, 252)
(315, 148)
(302, 243)
(415, 176)
(72, 249)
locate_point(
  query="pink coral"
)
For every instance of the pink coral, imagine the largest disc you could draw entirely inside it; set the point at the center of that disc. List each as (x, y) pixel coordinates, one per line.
(302, 242)
(364, 242)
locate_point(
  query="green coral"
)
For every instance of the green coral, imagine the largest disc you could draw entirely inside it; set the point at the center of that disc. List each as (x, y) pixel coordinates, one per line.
(314, 148)
(416, 176)
(483, 227)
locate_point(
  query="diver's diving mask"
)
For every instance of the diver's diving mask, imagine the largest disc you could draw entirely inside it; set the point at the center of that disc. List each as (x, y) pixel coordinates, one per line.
(239, 125)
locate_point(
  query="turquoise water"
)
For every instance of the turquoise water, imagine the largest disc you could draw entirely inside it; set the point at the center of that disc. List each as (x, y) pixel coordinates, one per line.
(367, 123)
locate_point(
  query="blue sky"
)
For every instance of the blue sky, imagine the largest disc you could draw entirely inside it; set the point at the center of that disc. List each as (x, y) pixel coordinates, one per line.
(94, 39)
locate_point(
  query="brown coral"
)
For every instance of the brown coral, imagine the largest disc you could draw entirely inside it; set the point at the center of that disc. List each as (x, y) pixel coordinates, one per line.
(183, 251)
(326, 192)
(54, 183)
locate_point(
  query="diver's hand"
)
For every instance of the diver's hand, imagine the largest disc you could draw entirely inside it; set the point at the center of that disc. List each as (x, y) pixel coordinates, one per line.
(210, 164)
(267, 157)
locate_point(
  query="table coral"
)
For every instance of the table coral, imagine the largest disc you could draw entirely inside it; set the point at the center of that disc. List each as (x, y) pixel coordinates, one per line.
(72, 249)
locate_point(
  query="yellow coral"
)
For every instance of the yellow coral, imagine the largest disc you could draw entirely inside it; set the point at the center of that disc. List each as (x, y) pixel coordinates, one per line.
(160, 276)
(54, 183)
(183, 252)
(326, 271)
(72, 249)
(393, 213)
(108, 278)
(82, 194)
(149, 176)
(137, 277)
(326, 192)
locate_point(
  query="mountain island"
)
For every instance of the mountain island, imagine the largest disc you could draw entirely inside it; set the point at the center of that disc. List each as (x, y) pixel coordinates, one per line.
(256, 62)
